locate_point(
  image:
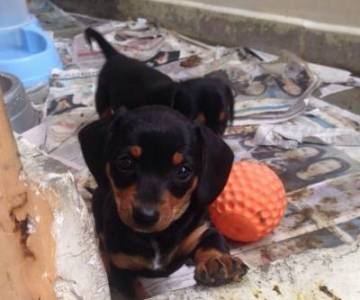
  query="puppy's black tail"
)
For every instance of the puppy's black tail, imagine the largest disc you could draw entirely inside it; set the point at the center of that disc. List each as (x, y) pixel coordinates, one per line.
(107, 49)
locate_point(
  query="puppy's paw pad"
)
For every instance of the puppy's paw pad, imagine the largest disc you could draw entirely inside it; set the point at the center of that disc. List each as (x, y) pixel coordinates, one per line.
(220, 270)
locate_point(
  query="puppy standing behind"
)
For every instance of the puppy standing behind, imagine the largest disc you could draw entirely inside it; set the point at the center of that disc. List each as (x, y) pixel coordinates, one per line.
(129, 83)
(157, 172)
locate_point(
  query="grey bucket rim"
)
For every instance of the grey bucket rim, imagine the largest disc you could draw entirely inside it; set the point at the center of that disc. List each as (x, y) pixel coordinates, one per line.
(21, 113)
(12, 88)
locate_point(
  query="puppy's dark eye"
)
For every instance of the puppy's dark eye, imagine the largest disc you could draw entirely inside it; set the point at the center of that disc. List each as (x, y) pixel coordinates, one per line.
(183, 172)
(125, 164)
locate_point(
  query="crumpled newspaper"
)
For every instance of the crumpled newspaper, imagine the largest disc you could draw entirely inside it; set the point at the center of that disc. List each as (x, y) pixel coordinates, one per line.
(289, 136)
(137, 39)
(314, 127)
(268, 92)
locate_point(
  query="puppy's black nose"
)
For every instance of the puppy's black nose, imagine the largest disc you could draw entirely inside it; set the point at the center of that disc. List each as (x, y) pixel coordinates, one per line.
(145, 216)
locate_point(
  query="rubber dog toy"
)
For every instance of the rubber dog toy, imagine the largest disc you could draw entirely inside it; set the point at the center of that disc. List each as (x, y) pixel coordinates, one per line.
(252, 203)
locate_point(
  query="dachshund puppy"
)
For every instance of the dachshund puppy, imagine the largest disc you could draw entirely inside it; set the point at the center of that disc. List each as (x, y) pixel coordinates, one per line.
(157, 172)
(129, 83)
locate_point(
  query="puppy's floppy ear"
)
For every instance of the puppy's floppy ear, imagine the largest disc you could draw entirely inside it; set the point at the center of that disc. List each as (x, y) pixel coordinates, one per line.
(217, 160)
(93, 139)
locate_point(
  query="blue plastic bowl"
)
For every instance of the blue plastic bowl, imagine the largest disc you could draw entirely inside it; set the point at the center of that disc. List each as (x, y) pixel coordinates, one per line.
(28, 53)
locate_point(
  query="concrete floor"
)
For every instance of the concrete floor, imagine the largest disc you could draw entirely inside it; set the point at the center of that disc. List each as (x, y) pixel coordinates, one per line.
(344, 12)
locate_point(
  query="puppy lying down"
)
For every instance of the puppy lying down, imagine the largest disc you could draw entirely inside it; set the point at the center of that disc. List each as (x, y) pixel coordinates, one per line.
(157, 172)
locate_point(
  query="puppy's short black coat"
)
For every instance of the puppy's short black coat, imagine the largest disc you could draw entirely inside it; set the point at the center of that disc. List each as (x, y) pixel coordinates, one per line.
(129, 83)
(157, 172)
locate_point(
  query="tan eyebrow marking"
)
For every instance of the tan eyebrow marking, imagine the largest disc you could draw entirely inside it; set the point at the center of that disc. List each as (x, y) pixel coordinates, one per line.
(177, 158)
(136, 151)
(222, 116)
(201, 118)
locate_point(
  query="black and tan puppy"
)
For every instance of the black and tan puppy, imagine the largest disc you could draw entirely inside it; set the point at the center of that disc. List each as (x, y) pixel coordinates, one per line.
(129, 83)
(157, 172)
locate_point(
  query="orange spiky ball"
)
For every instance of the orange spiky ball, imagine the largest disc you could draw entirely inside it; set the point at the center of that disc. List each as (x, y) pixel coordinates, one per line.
(252, 203)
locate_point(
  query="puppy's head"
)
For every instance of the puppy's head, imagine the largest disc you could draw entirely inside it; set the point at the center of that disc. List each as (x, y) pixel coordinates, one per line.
(157, 163)
(209, 101)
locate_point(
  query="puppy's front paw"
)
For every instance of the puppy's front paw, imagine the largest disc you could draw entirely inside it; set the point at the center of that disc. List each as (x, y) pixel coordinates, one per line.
(219, 269)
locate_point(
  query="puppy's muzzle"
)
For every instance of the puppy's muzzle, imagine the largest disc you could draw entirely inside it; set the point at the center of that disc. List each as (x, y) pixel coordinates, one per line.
(145, 216)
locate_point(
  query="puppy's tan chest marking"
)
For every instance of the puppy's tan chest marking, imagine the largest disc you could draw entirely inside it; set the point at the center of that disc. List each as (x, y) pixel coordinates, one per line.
(130, 262)
(136, 263)
(185, 248)
(160, 260)
(157, 260)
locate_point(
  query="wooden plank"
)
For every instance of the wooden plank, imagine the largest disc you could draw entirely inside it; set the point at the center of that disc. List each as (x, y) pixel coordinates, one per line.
(10, 165)
(27, 248)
